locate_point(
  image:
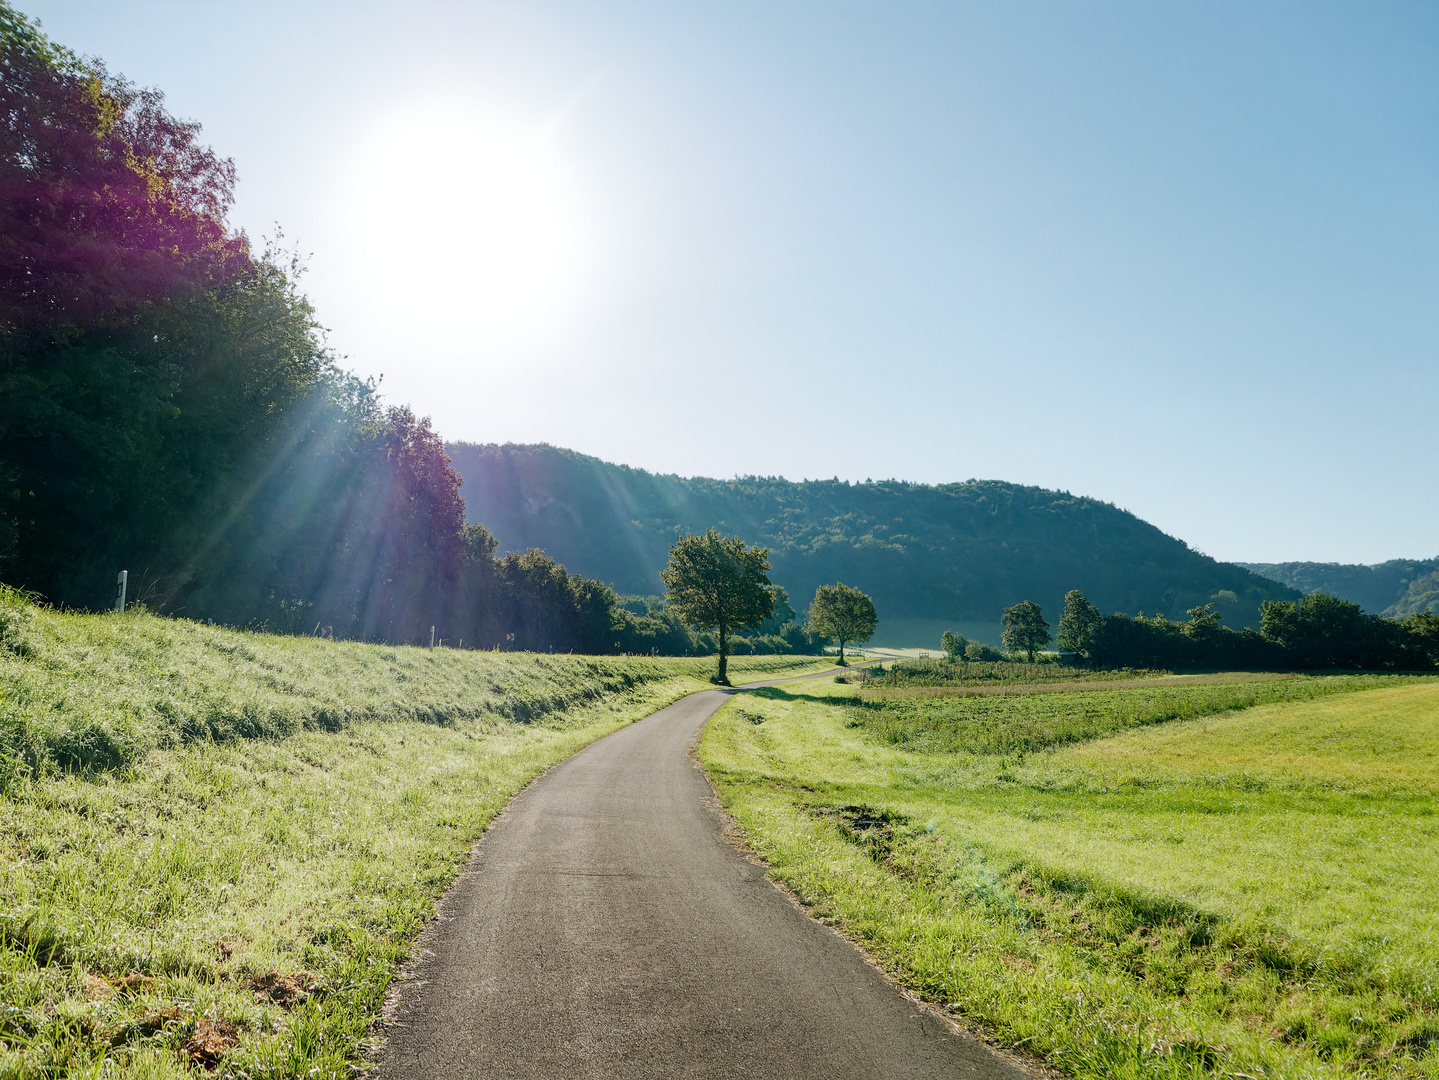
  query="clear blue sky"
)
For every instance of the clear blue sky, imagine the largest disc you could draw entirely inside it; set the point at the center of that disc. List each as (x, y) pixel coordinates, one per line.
(1181, 257)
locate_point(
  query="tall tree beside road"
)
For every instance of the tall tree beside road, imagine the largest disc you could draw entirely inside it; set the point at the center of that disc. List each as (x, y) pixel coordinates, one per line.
(844, 613)
(719, 582)
(1024, 628)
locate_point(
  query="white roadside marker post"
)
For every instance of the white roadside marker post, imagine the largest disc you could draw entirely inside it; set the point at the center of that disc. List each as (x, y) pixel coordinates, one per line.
(432, 639)
(122, 583)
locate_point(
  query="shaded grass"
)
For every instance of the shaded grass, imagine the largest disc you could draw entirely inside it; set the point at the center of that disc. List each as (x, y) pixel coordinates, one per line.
(1247, 893)
(242, 903)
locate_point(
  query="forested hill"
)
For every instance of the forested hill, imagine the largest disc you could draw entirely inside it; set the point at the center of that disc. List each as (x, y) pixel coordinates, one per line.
(1396, 587)
(957, 551)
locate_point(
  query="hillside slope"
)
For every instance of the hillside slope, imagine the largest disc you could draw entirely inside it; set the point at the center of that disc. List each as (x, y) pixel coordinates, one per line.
(1396, 587)
(958, 552)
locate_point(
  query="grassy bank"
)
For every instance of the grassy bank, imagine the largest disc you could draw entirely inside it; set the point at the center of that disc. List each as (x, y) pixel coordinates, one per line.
(1244, 892)
(215, 847)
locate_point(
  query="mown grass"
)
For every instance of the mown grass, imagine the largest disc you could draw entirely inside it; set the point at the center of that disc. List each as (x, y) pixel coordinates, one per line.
(233, 884)
(1248, 892)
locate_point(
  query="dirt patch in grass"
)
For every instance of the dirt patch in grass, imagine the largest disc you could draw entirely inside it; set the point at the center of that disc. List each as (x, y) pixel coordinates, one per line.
(211, 1041)
(286, 991)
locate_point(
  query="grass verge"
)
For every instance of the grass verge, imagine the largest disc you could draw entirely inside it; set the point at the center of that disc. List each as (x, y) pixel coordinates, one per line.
(1248, 892)
(216, 847)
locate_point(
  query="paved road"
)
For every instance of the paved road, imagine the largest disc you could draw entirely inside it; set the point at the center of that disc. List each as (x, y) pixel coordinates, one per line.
(606, 929)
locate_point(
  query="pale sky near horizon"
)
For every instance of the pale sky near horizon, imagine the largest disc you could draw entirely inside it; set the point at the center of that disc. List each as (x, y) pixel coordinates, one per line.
(1180, 257)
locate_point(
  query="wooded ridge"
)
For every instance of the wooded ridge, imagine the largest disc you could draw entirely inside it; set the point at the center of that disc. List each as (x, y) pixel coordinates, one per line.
(961, 551)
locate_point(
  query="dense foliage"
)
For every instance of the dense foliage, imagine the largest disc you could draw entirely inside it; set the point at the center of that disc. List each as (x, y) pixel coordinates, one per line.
(1322, 631)
(957, 647)
(720, 582)
(843, 613)
(649, 624)
(953, 551)
(1396, 587)
(1025, 629)
(170, 406)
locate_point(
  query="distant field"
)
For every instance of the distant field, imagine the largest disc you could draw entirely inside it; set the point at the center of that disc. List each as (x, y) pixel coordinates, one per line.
(904, 633)
(1023, 719)
(1245, 892)
(216, 847)
(932, 673)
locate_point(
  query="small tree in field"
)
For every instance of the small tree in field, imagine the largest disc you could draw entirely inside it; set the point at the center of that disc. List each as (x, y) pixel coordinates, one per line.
(1024, 628)
(953, 644)
(844, 613)
(719, 582)
(1079, 625)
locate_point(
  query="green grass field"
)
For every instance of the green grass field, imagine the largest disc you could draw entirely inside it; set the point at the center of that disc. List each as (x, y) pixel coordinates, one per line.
(217, 847)
(1222, 878)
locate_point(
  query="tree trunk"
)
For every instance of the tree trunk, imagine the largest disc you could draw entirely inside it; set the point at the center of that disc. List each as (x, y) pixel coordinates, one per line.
(723, 677)
(841, 652)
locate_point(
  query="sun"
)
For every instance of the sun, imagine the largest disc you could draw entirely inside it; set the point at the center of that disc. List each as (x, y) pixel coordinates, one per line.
(464, 227)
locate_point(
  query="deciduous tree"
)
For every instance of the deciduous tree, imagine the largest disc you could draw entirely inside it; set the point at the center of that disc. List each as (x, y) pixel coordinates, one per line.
(1079, 625)
(1024, 628)
(1204, 622)
(844, 613)
(953, 644)
(720, 582)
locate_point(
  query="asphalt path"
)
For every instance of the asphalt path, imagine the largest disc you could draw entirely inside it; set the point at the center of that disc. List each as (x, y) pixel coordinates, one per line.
(605, 928)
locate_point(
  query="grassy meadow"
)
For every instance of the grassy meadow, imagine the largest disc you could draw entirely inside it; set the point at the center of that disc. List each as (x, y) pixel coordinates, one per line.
(216, 847)
(1212, 876)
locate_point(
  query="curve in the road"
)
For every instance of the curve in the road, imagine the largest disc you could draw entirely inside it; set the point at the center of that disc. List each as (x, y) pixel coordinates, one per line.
(604, 928)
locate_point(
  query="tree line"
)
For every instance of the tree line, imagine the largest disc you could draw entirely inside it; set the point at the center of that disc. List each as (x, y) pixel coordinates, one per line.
(171, 409)
(170, 405)
(1319, 631)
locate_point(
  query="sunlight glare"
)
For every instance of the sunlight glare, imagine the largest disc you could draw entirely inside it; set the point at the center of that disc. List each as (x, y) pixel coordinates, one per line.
(465, 227)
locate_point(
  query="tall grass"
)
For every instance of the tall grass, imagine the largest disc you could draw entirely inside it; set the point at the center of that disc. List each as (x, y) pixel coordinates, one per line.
(959, 672)
(99, 692)
(1022, 724)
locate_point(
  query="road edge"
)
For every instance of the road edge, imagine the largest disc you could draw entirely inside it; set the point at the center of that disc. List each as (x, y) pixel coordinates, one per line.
(733, 833)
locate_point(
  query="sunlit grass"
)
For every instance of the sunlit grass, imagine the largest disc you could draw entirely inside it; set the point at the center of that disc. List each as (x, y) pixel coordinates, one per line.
(238, 892)
(1389, 737)
(100, 691)
(1020, 723)
(1248, 892)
